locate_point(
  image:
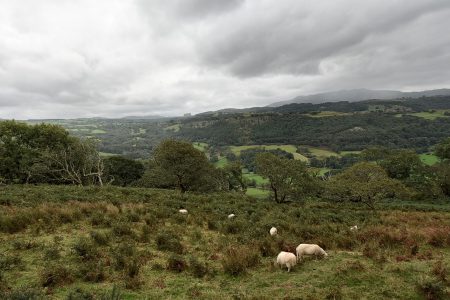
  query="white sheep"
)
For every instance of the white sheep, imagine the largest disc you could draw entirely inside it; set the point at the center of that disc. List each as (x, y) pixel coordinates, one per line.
(231, 216)
(309, 249)
(183, 211)
(273, 231)
(354, 228)
(287, 259)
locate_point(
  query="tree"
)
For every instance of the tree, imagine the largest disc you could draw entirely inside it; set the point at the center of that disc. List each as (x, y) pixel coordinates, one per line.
(401, 164)
(366, 183)
(234, 176)
(289, 179)
(443, 149)
(122, 171)
(78, 163)
(22, 147)
(184, 165)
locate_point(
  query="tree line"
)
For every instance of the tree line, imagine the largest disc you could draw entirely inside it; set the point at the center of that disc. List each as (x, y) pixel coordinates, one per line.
(48, 154)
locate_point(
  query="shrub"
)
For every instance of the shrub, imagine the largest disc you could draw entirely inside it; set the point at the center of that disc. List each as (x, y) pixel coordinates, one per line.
(440, 271)
(10, 262)
(23, 244)
(100, 238)
(85, 249)
(122, 229)
(23, 293)
(55, 275)
(168, 241)
(145, 233)
(431, 289)
(52, 253)
(92, 272)
(176, 263)
(267, 247)
(237, 259)
(197, 268)
(79, 294)
(123, 254)
(99, 219)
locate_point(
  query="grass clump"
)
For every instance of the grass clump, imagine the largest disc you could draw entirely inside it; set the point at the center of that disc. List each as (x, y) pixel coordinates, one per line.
(237, 259)
(169, 241)
(176, 263)
(55, 275)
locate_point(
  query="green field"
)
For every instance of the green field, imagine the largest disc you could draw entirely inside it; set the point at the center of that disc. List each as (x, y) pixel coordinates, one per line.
(257, 178)
(222, 162)
(98, 131)
(71, 242)
(429, 159)
(200, 146)
(257, 193)
(323, 114)
(342, 153)
(429, 115)
(288, 148)
(106, 154)
(321, 153)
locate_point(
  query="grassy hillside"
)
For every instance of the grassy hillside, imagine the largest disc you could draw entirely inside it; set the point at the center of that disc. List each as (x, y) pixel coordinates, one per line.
(58, 241)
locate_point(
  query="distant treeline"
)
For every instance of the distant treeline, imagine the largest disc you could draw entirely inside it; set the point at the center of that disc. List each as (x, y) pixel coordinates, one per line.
(373, 123)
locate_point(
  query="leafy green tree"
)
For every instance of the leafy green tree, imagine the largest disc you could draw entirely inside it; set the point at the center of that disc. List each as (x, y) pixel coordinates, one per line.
(289, 179)
(122, 171)
(186, 167)
(22, 146)
(442, 176)
(234, 176)
(366, 183)
(401, 164)
(443, 149)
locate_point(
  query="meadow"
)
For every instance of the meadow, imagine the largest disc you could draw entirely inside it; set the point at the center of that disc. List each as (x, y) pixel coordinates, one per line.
(69, 242)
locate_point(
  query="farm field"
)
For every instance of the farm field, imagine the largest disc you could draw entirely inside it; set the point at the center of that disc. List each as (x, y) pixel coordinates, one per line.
(429, 159)
(430, 115)
(323, 114)
(288, 148)
(68, 242)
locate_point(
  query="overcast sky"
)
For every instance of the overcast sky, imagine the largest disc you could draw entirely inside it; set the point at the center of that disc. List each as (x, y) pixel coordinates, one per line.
(112, 58)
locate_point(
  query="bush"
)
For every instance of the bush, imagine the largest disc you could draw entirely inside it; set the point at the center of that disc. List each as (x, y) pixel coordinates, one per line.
(122, 229)
(237, 259)
(431, 289)
(100, 238)
(176, 263)
(85, 249)
(23, 293)
(10, 262)
(168, 241)
(79, 294)
(55, 275)
(92, 272)
(197, 268)
(123, 254)
(440, 271)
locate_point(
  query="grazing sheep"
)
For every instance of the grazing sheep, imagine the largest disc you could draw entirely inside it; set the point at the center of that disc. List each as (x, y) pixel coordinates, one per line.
(309, 249)
(354, 228)
(287, 259)
(183, 211)
(273, 231)
(231, 216)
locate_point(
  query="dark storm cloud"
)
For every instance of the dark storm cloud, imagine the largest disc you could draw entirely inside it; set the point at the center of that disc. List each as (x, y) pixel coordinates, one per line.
(61, 58)
(295, 39)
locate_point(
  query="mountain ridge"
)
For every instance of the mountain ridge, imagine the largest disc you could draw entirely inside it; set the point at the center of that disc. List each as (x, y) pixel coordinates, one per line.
(355, 95)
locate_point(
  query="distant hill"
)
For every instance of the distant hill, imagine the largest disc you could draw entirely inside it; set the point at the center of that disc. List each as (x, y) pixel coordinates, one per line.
(147, 117)
(360, 95)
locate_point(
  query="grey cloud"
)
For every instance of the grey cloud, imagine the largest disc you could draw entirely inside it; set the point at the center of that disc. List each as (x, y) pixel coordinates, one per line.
(288, 40)
(114, 57)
